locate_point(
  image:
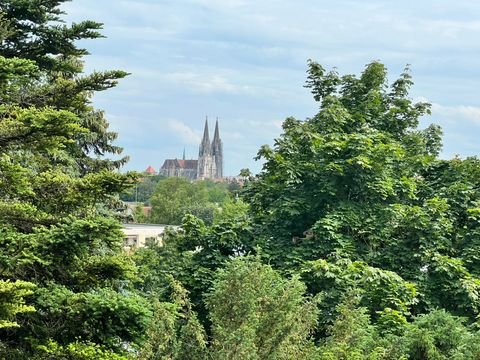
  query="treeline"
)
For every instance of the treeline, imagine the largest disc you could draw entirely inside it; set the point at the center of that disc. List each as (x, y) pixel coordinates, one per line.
(354, 242)
(170, 199)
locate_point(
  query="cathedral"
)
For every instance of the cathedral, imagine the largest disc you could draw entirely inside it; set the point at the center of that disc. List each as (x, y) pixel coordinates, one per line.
(209, 164)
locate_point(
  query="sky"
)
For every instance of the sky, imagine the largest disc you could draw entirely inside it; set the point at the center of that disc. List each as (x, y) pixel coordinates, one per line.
(244, 61)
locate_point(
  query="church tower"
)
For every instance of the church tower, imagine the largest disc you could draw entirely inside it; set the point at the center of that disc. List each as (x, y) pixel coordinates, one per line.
(217, 154)
(210, 155)
(205, 156)
(209, 164)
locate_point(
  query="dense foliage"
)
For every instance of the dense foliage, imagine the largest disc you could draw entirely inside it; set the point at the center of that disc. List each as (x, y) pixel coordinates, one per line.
(359, 183)
(64, 280)
(354, 242)
(175, 197)
(356, 204)
(143, 190)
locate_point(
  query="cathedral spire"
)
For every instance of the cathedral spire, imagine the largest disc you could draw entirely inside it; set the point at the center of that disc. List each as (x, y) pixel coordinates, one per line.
(205, 130)
(205, 156)
(206, 135)
(205, 144)
(216, 135)
(183, 158)
(217, 153)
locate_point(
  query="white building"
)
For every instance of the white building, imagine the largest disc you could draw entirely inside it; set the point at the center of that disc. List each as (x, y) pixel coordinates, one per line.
(136, 235)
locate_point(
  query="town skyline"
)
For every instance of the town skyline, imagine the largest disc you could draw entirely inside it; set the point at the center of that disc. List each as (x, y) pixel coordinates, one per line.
(245, 62)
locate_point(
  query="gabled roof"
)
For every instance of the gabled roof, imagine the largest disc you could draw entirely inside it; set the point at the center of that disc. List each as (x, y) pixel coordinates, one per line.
(188, 164)
(182, 164)
(150, 170)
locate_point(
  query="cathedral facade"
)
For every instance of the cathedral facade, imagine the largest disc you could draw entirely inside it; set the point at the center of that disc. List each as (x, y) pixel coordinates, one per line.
(209, 164)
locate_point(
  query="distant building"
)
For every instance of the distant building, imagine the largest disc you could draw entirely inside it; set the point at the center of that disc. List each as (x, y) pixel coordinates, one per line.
(180, 168)
(150, 171)
(209, 164)
(137, 235)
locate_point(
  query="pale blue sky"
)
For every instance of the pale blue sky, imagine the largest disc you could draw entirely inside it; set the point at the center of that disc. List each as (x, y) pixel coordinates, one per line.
(244, 61)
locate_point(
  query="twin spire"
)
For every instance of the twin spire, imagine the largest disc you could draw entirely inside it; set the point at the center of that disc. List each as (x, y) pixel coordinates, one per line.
(209, 164)
(205, 145)
(210, 155)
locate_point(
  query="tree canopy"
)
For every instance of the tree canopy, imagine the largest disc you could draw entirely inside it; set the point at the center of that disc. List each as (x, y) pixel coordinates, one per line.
(356, 204)
(64, 279)
(175, 197)
(356, 241)
(357, 193)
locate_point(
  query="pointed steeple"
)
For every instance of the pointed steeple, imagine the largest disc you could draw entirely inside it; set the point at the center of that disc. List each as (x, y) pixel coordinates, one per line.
(205, 144)
(217, 153)
(206, 135)
(216, 135)
(183, 158)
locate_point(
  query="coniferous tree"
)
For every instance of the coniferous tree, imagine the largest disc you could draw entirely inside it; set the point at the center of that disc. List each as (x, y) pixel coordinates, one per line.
(62, 271)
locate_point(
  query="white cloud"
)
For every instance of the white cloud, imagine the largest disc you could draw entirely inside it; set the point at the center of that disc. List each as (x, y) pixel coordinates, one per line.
(232, 136)
(470, 112)
(206, 83)
(466, 112)
(183, 131)
(276, 124)
(245, 60)
(452, 29)
(144, 33)
(221, 4)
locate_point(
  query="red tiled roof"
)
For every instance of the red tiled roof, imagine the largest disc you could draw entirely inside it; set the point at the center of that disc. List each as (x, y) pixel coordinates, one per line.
(150, 170)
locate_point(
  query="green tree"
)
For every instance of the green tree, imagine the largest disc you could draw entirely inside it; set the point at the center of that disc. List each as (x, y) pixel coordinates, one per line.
(175, 332)
(143, 190)
(175, 197)
(379, 290)
(60, 255)
(245, 173)
(359, 181)
(232, 209)
(12, 301)
(76, 351)
(256, 314)
(217, 191)
(192, 255)
(437, 335)
(361, 151)
(35, 32)
(354, 202)
(352, 336)
(31, 34)
(172, 196)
